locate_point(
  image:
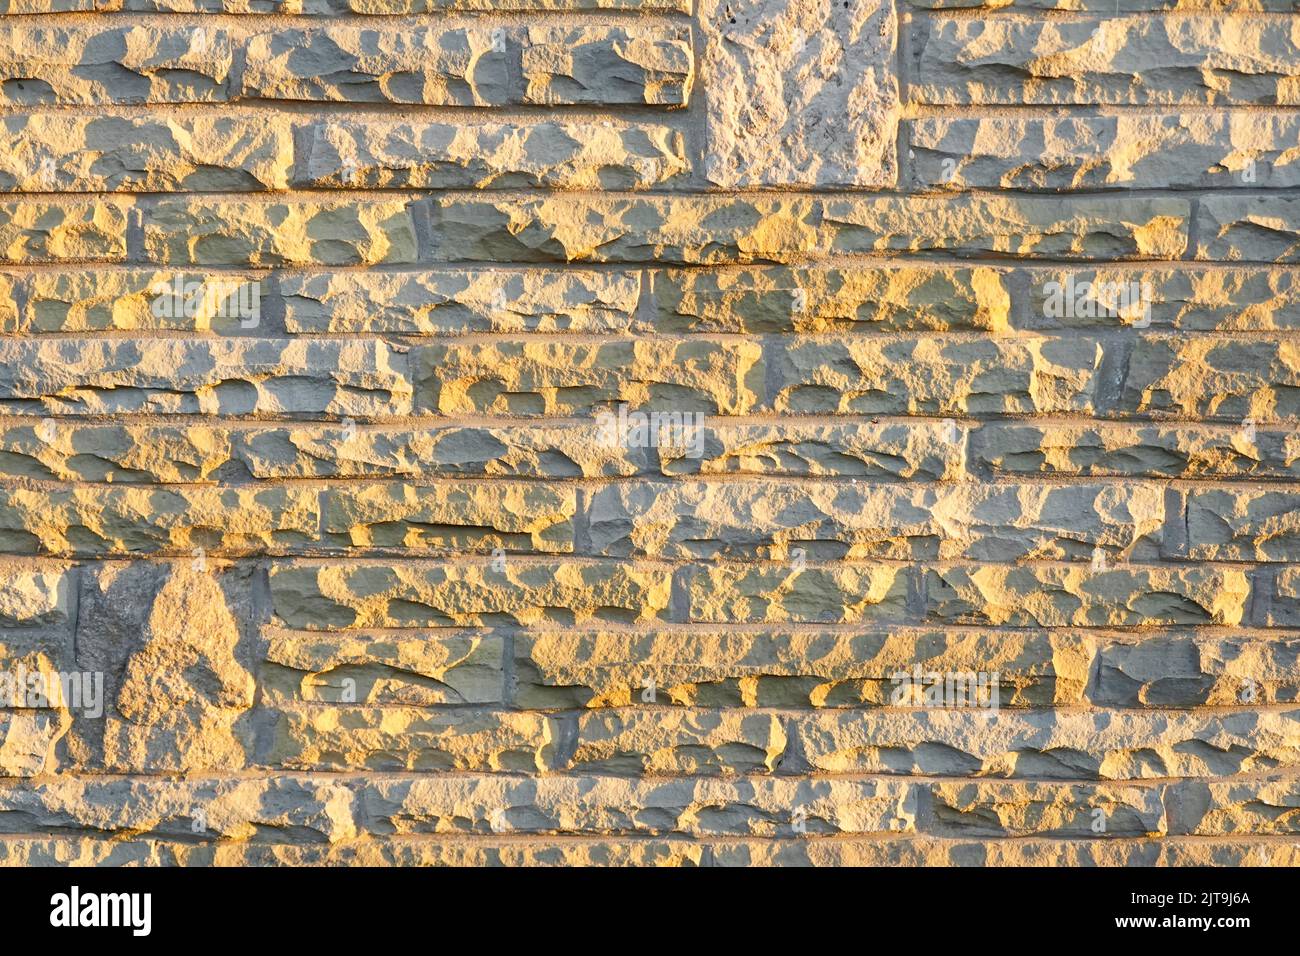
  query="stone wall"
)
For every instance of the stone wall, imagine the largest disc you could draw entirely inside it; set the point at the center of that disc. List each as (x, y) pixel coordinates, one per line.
(965, 532)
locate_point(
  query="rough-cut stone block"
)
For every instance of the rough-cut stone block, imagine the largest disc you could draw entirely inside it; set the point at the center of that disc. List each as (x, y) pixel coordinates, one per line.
(799, 94)
(553, 377)
(924, 451)
(418, 670)
(329, 737)
(996, 809)
(34, 594)
(1195, 300)
(1122, 449)
(1214, 377)
(96, 64)
(1221, 150)
(111, 300)
(1243, 524)
(84, 153)
(831, 299)
(675, 741)
(453, 516)
(1051, 744)
(1174, 60)
(726, 593)
(1083, 596)
(471, 65)
(1248, 228)
(429, 155)
(1246, 807)
(27, 740)
(466, 592)
(200, 376)
(66, 231)
(833, 521)
(934, 375)
(1192, 671)
(1285, 609)
(106, 520)
(758, 806)
(456, 302)
(197, 232)
(784, 667)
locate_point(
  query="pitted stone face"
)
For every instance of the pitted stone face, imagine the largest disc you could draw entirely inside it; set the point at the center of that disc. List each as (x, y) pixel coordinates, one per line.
(800, 92)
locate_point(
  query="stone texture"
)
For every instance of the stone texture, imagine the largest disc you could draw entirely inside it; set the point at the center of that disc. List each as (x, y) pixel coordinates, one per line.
(786, 593)
(1105, 152)
(88, 153)
(1248, 229)
(828, 521)
(72, 376)
(1214, 377)
(830, 299)
(454, 301)
(997, 809)
(492, 155)
(799, 93)
(1208, 59)
(655, 742)
(1237, 524)
(1186, 671)
(38, 231)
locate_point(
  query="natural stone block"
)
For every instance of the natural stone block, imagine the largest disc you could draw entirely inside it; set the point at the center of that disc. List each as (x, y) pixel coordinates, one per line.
(34, 594)
(65, 231)
(378, 669)
(1243, 524)
(197, 232)
(831, 299)
(832, 521)
(696, 742)
(457, 302)
(425, 155)
(799, 94)
(1193, 671)
(1214, 377)
(725, 593)
(1248, 228)
(934, 375)
(465, 592)
(554, 377)
(1239, 807)
(1081, 596)
(996, 809)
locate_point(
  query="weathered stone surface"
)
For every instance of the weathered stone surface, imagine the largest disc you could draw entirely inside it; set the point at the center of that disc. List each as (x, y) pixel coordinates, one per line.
(1214, 377)
(1208, 299)
(455, 301)
(1248, 229)
(319, 596)
(1105, 152)
(997, 809)
(197, 232)
(86, 153)
(934, 375)
(96, 64)
(1081, 596)
(1109, 6)
(721, 593)
(676, 741)
(27, 740)
(34, 594)
(1240, 524)
(784, 667)
(1191, 671)
(106, 520)
(1051, 744)
(459, 516)
(1235, 807)
(1122, 449)
(799, 93)
(40, 231)
(320, 810)
(830, 299)
(832, 521)
(1165, 60)
(918, 450)
(149, 453)
(555, 377)
(492, 155)
(759, 806)
(9, 308)
(168, 639)
(329, 737)
(72, 376)
(378, 669)
(469, 65)
(1285, 609)
(110, 300)
(709, 230)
